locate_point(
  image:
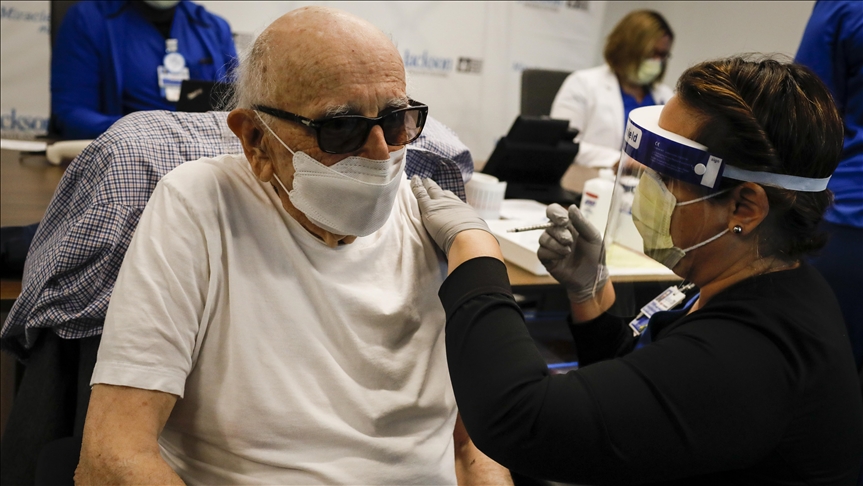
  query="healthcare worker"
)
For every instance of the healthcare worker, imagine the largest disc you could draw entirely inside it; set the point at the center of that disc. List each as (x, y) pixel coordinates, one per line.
(832, 45)
(751, 381)
(112, 58)
(597, 101)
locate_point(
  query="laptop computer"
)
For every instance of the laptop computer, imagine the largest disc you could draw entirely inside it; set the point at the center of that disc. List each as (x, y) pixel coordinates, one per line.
(199, 96)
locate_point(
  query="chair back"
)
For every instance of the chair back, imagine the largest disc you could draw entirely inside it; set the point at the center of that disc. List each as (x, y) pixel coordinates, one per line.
(538, 89)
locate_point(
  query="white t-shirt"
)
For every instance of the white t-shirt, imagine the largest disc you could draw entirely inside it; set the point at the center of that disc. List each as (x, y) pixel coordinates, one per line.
(295, 363)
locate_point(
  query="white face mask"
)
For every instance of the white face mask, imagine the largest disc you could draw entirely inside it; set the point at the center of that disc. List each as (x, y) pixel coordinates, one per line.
(162, 4)
(648, 71)
(652, 207)
(352, 197)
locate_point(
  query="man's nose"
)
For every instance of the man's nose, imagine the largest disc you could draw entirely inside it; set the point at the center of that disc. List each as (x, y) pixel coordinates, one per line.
(376, 146)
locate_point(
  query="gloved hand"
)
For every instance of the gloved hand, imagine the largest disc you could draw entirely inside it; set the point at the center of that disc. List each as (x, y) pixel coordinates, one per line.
(444, 214)
(571, 251)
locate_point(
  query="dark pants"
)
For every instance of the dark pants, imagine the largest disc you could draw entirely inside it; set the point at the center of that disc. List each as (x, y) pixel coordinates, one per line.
(50, 404)
(841, 264)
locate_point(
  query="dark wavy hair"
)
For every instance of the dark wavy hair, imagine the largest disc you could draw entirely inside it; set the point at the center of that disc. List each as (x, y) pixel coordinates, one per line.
(764, 114)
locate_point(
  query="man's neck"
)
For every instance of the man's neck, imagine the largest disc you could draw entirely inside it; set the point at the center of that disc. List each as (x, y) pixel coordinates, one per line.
(330, 239)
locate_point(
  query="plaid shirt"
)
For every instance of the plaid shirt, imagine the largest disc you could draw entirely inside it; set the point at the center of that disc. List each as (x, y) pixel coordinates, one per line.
(77, 251)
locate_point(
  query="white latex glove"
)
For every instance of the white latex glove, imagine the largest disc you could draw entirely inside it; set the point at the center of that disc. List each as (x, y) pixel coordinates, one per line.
(571, 250)
(444, 214)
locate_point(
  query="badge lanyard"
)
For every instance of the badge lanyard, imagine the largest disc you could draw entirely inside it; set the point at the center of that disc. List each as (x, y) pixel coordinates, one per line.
(667, 300)
(172, 72)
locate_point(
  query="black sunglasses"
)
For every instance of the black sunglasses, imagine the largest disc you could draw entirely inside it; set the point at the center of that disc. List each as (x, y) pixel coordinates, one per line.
(342, 134)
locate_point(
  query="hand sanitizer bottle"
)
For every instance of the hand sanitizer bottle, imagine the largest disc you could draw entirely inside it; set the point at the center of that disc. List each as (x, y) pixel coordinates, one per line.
(626, 233)
(596, 199)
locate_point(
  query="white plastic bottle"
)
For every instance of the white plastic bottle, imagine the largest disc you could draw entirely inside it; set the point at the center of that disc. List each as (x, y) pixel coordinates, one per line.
(626, 233)
(596, 199)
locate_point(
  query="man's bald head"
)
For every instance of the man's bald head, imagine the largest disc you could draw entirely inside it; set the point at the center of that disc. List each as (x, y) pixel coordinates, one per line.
(311, 51)
(314, 62)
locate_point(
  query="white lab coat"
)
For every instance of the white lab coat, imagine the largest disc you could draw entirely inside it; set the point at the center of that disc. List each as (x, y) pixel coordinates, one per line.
(590, 99)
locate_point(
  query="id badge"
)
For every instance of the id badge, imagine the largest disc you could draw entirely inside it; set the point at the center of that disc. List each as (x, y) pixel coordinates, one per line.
(667, 300)
(169, 82)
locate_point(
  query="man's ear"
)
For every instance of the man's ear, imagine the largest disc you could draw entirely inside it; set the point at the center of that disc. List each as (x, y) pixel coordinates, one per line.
(750, 206)
(245, 126)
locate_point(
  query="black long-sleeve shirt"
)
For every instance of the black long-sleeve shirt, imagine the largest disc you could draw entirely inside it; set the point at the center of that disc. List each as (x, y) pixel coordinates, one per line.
(757, 387)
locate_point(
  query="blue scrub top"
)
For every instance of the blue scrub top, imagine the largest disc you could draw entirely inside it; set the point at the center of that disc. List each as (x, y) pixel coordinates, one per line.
(104, 62)
(630, 103)
(832, 46)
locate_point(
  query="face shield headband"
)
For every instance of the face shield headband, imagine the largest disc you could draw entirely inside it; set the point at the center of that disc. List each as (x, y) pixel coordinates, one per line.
(686, 160)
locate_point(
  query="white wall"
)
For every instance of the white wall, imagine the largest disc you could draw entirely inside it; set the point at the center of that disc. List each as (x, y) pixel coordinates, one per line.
(709, 29)
(481, 108)
(498, 40)
(25, 59)
(505, 36)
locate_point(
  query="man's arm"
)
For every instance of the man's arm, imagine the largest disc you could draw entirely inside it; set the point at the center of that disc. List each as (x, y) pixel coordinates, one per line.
(471, 465)
(120, 437)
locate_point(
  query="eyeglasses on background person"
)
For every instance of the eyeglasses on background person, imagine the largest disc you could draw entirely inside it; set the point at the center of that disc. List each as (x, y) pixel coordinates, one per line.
(343, 134)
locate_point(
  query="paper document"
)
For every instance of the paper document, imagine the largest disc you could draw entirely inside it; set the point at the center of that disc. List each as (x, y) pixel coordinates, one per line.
(622, 261)
(526, 209)
(519, 248)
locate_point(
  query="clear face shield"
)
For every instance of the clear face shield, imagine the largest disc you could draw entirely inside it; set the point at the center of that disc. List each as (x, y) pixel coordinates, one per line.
(658, 210)
(668, 203)
(659, 173)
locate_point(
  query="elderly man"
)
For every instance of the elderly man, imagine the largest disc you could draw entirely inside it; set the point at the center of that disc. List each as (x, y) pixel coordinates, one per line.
(275, 320)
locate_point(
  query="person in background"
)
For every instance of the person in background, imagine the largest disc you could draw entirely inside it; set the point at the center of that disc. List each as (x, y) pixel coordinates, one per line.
(832, 46)
(274, 320)
(111, 58)
(597, 101)
(751, 382)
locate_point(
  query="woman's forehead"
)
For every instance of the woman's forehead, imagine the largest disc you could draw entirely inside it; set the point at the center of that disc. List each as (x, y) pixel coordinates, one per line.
(677, 118)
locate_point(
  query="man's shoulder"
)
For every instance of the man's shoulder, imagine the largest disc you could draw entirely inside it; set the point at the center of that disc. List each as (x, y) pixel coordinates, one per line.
(211, 188)
(207, 174)
(224, 164)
